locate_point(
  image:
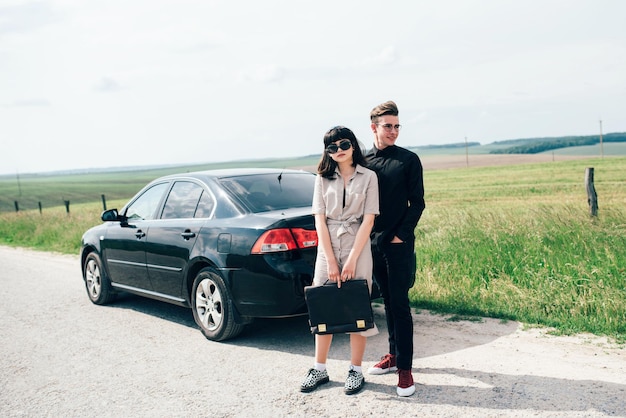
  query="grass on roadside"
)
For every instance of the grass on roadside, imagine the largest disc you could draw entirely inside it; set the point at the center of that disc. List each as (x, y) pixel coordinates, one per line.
(52, 230)
(550, 266)
(518, 243)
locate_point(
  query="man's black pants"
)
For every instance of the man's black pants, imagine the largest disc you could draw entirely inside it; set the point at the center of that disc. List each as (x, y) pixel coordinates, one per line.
(394, 272)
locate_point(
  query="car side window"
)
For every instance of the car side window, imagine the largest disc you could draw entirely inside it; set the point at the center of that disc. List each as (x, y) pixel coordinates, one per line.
(182, 200)
(145, 206)
(205, 206)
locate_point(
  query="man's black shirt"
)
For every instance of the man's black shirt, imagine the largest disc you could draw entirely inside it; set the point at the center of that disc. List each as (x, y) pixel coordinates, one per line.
(401, 190)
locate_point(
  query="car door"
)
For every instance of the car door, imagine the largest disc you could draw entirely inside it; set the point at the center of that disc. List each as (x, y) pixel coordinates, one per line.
(173, 236)
(123, 246)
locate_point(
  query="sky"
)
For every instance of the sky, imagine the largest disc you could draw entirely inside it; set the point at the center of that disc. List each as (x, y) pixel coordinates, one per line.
(119, 83)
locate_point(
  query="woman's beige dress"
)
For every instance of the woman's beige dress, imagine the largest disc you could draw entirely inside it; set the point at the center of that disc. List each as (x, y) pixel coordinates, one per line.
(344, 210)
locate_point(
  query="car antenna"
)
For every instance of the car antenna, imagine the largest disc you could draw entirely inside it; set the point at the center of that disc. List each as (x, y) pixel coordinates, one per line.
(280, 177)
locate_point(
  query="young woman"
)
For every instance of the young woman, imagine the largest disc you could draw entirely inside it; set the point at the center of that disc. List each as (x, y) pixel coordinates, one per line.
(345, 203)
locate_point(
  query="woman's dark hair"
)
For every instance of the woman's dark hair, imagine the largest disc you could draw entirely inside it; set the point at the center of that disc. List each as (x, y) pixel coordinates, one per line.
(327, 166)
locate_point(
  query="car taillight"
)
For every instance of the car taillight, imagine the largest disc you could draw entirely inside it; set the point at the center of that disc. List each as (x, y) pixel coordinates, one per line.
(304, 237)
(284, 239)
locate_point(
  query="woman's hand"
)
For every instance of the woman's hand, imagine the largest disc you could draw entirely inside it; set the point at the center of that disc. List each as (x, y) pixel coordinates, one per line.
(349, 270)
(334, 274)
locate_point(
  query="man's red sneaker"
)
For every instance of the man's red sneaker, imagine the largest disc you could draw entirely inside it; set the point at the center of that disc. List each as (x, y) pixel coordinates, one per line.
(406, 386)
(385, 365)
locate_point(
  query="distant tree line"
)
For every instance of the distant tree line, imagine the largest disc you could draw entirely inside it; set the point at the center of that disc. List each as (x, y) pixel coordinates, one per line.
(537, 145)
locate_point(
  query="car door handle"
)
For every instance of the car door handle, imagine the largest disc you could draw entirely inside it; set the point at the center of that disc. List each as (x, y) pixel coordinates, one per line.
(188, 234)
(140, 234)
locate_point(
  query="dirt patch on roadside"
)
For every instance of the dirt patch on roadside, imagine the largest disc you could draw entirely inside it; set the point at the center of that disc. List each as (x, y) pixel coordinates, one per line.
(442, 162)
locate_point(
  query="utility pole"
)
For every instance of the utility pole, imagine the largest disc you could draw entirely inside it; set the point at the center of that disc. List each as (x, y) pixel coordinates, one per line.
(466, 153)
(601, 146)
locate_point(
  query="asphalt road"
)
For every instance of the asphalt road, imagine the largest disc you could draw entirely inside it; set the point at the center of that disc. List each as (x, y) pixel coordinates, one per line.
(62, 356)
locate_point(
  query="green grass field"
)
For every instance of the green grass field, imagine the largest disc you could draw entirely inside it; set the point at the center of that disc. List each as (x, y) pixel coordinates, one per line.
(518, 242)
(512, 242)
(52, 190)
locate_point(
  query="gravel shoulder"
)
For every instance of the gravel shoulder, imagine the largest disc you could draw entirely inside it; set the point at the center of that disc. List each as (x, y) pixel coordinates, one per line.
(62, 356)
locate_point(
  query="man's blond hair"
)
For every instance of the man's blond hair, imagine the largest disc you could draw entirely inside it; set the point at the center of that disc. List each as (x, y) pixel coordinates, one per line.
(387, 108)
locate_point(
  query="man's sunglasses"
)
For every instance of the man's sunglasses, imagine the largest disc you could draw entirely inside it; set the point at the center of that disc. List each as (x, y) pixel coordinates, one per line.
(344, 145)
(388, 127)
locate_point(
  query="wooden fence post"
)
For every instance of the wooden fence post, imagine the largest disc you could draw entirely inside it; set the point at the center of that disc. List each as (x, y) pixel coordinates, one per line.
(104, 202)
(17, 206)
(67, 205)
(39, 207)
(592, 197)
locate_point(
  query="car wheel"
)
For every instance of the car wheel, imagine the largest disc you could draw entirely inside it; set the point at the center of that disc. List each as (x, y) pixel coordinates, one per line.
(97, 283)
(212, 309)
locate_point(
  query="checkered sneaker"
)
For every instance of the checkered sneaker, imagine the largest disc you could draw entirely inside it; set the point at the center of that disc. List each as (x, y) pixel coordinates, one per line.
(354, 382)
(313, 379)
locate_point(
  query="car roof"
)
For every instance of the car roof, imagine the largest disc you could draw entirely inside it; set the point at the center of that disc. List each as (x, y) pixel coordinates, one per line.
(233, 172)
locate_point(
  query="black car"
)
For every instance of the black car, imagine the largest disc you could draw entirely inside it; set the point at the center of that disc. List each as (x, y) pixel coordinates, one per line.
(233, 245)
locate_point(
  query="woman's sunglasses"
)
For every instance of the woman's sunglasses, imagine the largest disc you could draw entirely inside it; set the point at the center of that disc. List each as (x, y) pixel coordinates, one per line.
(344, 145)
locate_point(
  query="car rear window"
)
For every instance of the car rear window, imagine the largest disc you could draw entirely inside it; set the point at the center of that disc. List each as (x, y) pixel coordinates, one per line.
(265, 192)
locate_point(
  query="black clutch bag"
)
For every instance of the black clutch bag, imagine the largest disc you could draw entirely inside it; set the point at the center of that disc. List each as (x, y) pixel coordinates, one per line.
(342, 309)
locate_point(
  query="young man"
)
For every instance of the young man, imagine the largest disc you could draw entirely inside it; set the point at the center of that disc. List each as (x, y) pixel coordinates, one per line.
(401, 189)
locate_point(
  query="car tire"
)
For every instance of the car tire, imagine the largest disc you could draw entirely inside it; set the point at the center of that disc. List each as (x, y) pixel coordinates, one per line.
(212, 307)
(97, 283)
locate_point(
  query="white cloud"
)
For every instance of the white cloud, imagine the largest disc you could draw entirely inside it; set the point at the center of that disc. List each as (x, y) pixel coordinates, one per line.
(31, 102)
(263, 74)
(216, 80)
(386, 56)
(107, 85)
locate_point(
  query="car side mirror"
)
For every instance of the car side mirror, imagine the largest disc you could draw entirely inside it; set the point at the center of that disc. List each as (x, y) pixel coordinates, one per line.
(110, 215)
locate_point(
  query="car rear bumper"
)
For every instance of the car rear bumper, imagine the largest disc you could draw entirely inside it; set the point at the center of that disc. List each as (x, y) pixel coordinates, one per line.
(274, 289)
